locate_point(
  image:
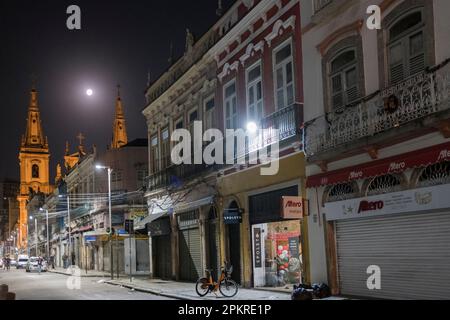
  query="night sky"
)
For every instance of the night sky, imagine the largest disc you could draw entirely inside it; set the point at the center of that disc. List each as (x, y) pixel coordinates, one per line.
(120, 42)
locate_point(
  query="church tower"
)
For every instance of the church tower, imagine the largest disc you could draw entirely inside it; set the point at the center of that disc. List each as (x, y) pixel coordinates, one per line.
(120, 137)
(34, 157)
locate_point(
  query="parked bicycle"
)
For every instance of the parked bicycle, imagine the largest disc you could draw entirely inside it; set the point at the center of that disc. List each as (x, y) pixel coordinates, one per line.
(227, 287)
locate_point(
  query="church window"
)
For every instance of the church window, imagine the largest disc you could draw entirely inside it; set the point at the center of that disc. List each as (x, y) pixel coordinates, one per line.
(35, 171)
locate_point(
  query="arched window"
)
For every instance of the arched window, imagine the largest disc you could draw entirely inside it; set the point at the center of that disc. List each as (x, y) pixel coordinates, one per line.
(406, 49)
(344, 78)
(35, 171)
(385, 184)
(435, 174)
(342, 191)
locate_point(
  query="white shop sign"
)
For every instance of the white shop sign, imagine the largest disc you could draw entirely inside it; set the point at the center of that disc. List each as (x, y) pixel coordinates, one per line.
(424, 199)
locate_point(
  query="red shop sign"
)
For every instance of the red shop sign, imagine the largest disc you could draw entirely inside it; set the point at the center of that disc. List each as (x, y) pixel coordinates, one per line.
(397, 164)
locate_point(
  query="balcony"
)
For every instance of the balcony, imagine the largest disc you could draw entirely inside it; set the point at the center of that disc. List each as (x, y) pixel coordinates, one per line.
(283, 126)
(416, 99)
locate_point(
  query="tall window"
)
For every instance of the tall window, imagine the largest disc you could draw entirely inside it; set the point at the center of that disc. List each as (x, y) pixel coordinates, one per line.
(193, 116)
(209, 114)
(344, 79)
(165, 148)
(154, 150)
(35, 171)
(406, 47)
(254, 94)
(231, 106)
(284, 76)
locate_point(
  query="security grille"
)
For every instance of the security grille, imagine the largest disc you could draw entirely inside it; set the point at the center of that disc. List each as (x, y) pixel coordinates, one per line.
(385, 184)
(343, 191)
(434, 175)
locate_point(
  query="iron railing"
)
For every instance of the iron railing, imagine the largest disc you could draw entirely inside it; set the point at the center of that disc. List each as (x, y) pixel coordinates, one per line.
(415, 98)
(282, 125)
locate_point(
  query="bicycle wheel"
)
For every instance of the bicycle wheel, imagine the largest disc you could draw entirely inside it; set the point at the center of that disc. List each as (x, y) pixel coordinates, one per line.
(228, 288)
(202, 287)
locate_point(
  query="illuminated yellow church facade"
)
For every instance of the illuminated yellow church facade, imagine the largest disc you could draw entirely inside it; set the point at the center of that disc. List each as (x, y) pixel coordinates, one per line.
(34, 158)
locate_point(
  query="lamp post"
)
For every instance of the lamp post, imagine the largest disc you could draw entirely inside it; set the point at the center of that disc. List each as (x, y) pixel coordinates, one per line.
(99, 167)
(48, 242)
(36, 233)
(68, 222)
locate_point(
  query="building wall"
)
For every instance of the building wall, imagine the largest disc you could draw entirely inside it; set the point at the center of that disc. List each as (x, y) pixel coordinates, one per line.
(318, 30)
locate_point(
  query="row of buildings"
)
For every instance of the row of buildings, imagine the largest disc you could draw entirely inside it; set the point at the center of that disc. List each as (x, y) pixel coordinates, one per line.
(362, 119)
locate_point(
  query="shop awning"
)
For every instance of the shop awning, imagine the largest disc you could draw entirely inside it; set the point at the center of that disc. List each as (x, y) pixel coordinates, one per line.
(188, 206)
(397, 164)
(148, 219)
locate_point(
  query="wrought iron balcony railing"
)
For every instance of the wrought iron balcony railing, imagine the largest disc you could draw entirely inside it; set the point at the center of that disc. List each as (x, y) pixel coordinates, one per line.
(416, 98)
(283, 125)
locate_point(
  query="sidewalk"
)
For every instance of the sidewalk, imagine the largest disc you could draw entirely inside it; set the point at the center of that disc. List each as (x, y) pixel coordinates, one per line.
(186, 291)
(176, 290)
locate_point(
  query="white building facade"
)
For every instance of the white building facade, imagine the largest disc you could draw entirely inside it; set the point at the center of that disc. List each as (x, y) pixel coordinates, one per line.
(377, 109)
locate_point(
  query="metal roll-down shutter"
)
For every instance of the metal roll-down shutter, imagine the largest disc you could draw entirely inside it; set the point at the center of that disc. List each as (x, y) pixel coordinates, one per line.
(412, 250)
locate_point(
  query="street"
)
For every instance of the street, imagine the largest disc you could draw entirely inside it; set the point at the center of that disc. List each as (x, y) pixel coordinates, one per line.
(52, 286)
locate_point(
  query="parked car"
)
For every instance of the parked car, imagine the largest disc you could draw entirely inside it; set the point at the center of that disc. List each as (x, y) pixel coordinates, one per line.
(32, 265)
(13, 263)
(22, 261)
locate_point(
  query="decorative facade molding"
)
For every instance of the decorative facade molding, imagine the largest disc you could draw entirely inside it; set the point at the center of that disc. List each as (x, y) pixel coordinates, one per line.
(251, 50)
(278, 29)
(227, 68)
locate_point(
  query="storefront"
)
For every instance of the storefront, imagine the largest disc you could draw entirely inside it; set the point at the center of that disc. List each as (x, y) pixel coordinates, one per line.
(390, 215)
(160, 232)
(404, 234)
(189, 246)
(276, 237)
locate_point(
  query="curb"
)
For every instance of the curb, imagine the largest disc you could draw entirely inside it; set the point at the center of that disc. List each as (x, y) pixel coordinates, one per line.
(82, 275)
(155, 292)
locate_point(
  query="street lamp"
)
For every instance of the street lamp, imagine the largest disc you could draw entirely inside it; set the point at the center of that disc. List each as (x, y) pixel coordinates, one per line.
(36, 233)
(68, 221)
(48, 243)
(99, 167)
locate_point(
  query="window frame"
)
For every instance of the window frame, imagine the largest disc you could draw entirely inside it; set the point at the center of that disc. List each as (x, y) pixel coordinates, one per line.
(253, 84)
(403, 39)
(275, 67)
(155, 160)
(229, 99)
(206, 112)
(342, 73)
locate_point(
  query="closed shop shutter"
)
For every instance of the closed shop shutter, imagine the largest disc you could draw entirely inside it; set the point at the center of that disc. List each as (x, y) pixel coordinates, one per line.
(162, 257)
(106, 256)
(190, 254)
(142, 255)
(412, 251)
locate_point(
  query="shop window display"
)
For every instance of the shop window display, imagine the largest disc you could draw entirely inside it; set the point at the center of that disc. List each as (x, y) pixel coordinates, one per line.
(277, 254)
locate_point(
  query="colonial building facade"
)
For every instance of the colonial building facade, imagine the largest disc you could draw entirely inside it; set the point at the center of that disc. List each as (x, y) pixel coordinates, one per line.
(377, 139)
(247, 71)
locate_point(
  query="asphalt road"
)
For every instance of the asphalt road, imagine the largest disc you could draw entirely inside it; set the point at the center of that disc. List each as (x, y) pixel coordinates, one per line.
(52, 286)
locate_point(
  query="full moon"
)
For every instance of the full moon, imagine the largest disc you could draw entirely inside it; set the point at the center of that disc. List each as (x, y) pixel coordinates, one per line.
(89, 92)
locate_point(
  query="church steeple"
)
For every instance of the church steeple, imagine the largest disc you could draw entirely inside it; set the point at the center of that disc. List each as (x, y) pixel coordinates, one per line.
(34, 135)
(34, 158)
(120, 137)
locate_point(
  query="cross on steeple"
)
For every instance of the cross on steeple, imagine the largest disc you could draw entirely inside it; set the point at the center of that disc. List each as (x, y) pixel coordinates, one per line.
(81, 137)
